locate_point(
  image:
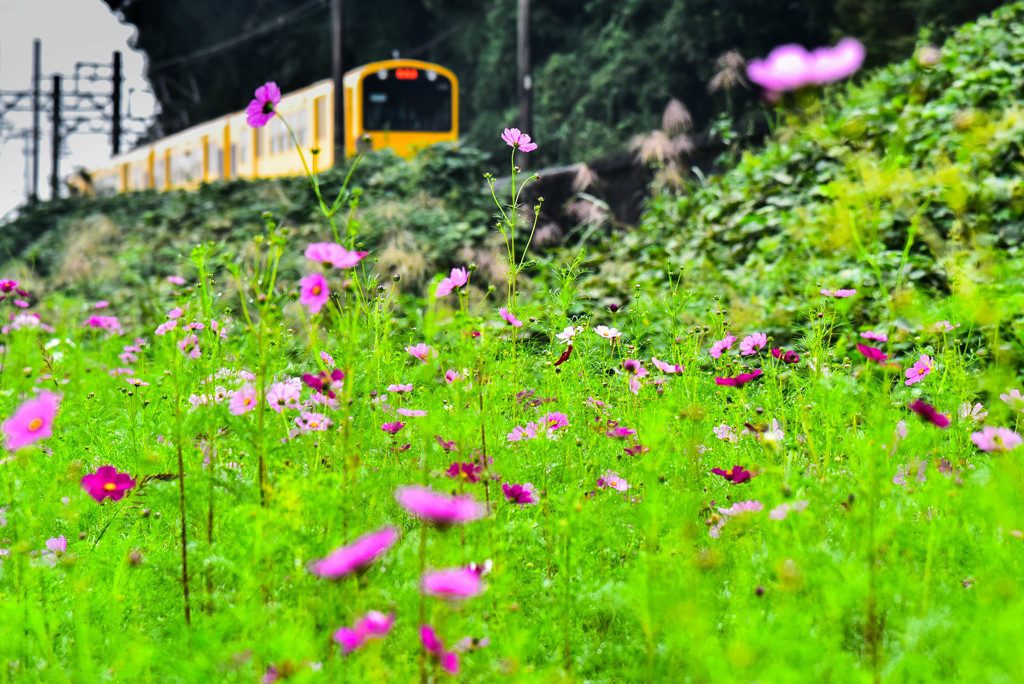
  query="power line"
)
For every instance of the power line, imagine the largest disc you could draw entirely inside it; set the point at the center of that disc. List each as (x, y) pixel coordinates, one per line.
(263, 29)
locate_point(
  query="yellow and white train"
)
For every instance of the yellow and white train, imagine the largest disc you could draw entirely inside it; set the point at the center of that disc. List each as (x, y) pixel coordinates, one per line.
(400, 104)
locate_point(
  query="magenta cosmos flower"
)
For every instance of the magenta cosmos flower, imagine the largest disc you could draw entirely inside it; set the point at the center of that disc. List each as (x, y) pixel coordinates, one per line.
(612, 480)
(519, 140)
(32, 421)
(736, 476)
(921, 368)
(334, 254)
(439, 509)
(355, 557)
(449, 660)
(996, 439)
(107, 482)
(392, 428)
(721, 345)
(324, 382)
(739, 380)
(458, 278)
(262, 109)
(786, 356)
(523, 494)
(421, 351)
(453, 584)
(839, 294)
(313, 292)
(929, 413)
(667, 367)
(373, 625)
(872, 353)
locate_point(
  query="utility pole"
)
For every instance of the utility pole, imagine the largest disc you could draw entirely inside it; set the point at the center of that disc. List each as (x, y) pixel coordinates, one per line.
(525, 87)
(55, 167)
(338, 74)
(37, 68)
(115, 128)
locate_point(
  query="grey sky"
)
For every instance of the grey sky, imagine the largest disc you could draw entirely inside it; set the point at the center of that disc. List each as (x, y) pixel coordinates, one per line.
(71, 31)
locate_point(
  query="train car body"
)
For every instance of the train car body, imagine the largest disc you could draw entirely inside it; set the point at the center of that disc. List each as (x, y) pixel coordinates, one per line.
(404, 105)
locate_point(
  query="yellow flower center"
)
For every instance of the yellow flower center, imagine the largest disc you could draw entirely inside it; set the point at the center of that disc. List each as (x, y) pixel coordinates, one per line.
(316, 289)
(246, 401)
(109, 486)
(35, 424)
(314, 425)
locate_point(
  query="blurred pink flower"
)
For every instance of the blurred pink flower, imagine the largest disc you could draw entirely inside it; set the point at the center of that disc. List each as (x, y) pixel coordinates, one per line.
(523, 494)
(31, 421)
(282, 395)
(453, 584)
(510, 318)
(612, 480)
(786, 356)
(334, 254)
(667, 367)
(449, 660)
(262, 109)
(725, 433)
(996, 439)
(1013, 399)
(929, 413)
(784, 509)
(791, 67)
(518, 140)
(355, 557)
(243, 400)
(421, 351)
(872, 335)
(607, 333)
(872, 353)
(739, 380)
(839, 294)
(392, 428)
(436, 508)
(373, 625)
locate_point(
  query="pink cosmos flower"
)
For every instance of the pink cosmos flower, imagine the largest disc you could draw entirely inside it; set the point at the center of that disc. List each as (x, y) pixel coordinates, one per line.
(739, 380)
(175, 280)
(453, 584)
(568, 334)
(996, 439)
(57, 544)
(32, 421)
(447, 446)
(436, 508)
(742, 508)
(607, 333)
(262, 109)
(411, 413)
(1013, 399)
(458, 278)
(786, 356)
(667, 367)
(102, 322)
(107, 482)
(373, 625)
(555, 420)
(102, 304)
(523, 494)
(189, 346)
(915, 470)
(928, 413)
(635, 371)
(782, 510)
(357, 556)
(751, 344)
(312, 422)
(612, 480)
(835, 64)
(313, 292)
(392, 428)
(976, 413)
(518, 140)
(872, 353)
(449, 660)
(725, 433)
(451, 375)
(421, 351)
(243, 400)
(399, 388)
(738, 475)
(721, 345)
(839, 294)
(944, 326)
(921, 368)
(282, 395)
(876, 336)
(510, 318)
(620, 432)
(518, 434)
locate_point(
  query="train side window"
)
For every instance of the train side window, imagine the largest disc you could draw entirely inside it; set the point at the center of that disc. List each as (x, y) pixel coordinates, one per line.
(320, 117)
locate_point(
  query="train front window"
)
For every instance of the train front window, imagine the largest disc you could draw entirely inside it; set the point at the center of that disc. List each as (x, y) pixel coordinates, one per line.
(407, 99)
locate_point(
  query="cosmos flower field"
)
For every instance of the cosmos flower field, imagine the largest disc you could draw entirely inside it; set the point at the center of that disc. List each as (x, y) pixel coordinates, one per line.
(504, 491)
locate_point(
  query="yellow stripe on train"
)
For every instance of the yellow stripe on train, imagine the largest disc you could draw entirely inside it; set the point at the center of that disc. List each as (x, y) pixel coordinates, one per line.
(401, 104)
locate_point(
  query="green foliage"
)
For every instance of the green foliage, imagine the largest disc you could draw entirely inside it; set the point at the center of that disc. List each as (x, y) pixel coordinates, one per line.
(894, 187)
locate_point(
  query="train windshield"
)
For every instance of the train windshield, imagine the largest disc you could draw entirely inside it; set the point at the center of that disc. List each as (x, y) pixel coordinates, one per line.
(407, 99)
